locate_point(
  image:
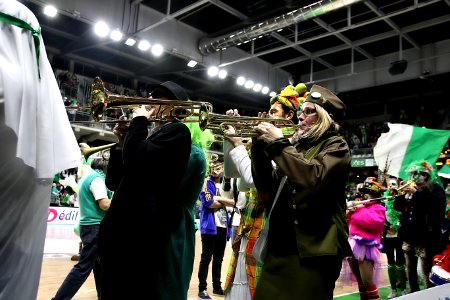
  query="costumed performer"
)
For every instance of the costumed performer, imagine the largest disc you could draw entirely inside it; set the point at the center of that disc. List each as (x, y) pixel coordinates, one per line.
(36, 143)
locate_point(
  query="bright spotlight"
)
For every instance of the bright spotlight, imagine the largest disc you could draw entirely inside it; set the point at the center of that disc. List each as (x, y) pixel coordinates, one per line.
(240, 80)
(212, 71)
(116, 35)
(144, 45)
(50, 11)
(249, 84)
(272, 94)
(265, 90)
(130, 42)
(101, 29)
(223, 74)
(157, 50)
(257, 87)
(192, 63)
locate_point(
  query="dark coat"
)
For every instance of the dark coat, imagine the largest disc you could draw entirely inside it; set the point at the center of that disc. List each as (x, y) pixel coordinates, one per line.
(309, 216)
(422, 218)
(142, 214)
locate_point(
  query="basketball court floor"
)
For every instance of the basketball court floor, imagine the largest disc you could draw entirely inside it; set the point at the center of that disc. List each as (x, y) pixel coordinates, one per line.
(61, 243)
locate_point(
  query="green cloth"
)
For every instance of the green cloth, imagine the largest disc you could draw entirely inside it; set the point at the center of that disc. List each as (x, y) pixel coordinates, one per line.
(90, 211)
(180, 249)
(36, 33)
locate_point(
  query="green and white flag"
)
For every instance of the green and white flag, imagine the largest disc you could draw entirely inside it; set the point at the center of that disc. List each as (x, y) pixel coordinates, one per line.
(404, 144)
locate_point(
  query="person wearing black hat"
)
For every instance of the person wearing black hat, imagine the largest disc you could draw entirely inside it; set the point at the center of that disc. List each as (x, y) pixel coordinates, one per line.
(366, 224)
(308, 233)
(145, 171)
(422, 207)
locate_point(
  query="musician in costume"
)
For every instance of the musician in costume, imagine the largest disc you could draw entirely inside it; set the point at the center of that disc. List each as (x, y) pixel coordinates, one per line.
(37, 142)
(392, 243)
(240, 284)
(145, 169)
(174, 282)
(366, 224)
(307, 239)
(423, 212)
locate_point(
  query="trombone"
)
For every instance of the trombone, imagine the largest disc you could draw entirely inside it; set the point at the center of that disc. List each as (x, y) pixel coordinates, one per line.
(88, 151)
(186, 111)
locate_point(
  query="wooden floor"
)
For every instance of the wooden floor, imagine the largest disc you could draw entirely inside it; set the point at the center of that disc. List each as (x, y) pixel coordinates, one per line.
(56, 266)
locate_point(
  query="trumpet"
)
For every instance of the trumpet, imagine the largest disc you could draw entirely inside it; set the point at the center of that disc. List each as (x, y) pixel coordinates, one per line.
(101, 100)
(243, 125)
(400, 190)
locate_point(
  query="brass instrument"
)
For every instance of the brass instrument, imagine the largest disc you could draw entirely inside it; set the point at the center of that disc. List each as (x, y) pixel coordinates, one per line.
(101, 100)
(88, 151)
(356, 203)
(409, 183)
(243, 125)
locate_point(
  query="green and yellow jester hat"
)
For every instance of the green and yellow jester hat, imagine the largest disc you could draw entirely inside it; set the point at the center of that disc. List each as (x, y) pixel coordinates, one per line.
(291, 97)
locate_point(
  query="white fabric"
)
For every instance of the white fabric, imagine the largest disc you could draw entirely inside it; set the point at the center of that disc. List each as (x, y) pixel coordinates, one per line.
(34, 108)
(98, 189)
(240, 289)
(392, 146)
(36, 143)
(240, 158)
(229, 168)
(239, 205)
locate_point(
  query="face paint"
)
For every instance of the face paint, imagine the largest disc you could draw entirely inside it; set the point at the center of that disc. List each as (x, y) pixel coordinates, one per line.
(418, 177)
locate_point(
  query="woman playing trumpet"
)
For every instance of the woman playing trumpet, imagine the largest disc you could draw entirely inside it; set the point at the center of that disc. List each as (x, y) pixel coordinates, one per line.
(307, 236)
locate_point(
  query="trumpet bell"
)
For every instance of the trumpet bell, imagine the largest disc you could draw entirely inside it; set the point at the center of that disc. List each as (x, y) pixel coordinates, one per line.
(88, 151)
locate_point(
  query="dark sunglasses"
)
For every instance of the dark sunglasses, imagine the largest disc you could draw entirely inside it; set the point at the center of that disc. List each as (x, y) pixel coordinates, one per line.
(307, 111)
(424, 174)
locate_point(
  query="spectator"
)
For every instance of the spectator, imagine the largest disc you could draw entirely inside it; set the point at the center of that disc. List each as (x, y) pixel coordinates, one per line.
(214, 232)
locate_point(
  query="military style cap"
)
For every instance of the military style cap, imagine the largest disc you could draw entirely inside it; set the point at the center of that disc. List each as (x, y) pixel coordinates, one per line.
(329, 101)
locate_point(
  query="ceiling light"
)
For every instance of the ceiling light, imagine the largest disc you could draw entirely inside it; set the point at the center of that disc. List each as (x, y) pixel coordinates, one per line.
(257, 87)
(116, 35)
(272, 94)
(101, 29)
(50, 11)
(192, 63)
(249, 84)
(212, 71)
(157, 50)
(144, 45)
(265, 90)
(130, 42)
(240, 80)
(223, 74)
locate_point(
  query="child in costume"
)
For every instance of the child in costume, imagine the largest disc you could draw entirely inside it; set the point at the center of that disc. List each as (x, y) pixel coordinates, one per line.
(366, 223)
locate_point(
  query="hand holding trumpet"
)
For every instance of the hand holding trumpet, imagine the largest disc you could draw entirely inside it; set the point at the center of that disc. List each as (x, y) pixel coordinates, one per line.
(120, 130)
(268, 132)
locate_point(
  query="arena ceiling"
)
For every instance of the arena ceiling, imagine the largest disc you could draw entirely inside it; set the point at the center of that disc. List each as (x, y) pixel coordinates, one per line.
(348, 46)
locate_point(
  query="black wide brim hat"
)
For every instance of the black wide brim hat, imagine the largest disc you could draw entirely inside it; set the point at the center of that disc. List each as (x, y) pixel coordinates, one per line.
(168, 89)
